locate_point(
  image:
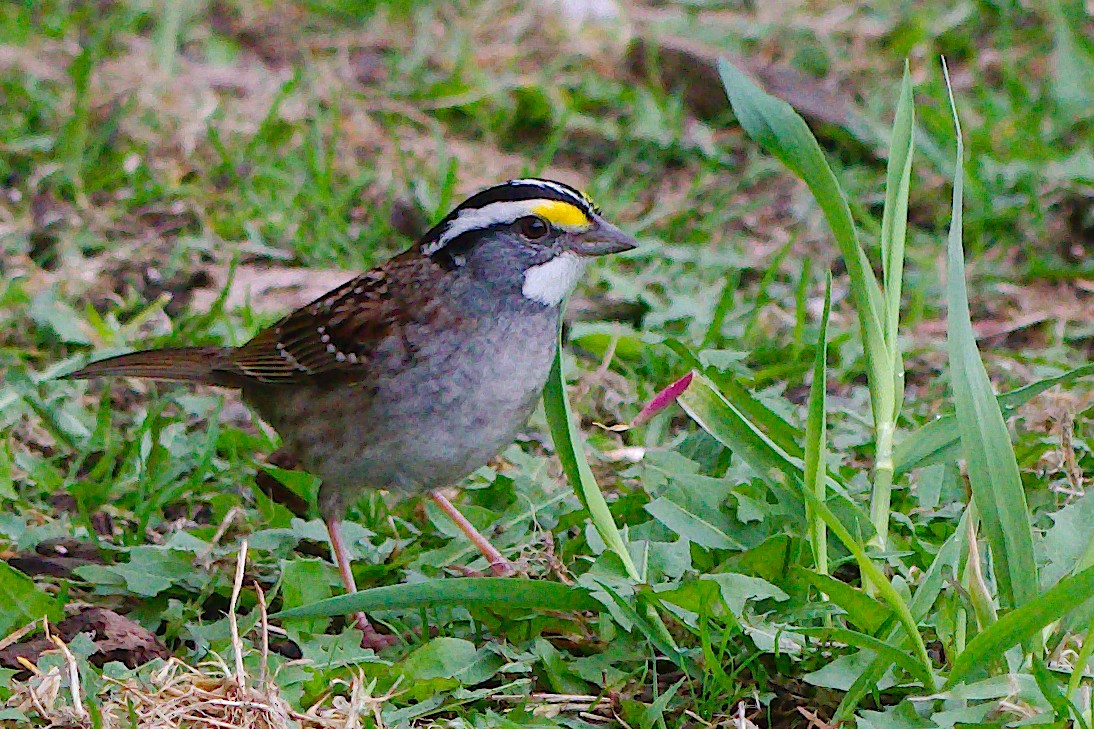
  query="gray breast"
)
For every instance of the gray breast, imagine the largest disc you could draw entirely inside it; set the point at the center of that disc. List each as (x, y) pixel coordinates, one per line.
(424, 423)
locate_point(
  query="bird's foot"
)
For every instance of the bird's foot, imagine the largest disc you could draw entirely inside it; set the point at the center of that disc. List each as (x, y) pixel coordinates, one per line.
(372, 638)
(502, 568)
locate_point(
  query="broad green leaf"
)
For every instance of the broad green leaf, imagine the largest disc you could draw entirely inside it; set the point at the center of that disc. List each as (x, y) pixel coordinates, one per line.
(843, 672)
(1069, 542)
(439, 658)
(737, 589)
(985, 442)
(23, 601)
(305, 582)
(501, 593)
(1021, 625)
(149, 571)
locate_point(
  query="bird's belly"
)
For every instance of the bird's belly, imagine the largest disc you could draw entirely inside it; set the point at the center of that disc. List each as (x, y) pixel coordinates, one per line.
(416, 428)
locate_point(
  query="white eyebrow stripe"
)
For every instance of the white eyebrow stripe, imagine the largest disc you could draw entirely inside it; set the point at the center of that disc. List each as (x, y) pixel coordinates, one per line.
(549, 185)
(492, 214)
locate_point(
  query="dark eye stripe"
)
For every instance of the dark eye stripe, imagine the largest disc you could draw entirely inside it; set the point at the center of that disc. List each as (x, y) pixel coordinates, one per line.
(461, 245)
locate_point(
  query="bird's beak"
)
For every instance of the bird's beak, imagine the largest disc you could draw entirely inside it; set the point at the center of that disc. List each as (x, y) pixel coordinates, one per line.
(600, 240)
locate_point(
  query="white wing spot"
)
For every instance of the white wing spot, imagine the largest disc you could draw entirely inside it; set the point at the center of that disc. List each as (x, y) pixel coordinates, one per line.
(293, 361)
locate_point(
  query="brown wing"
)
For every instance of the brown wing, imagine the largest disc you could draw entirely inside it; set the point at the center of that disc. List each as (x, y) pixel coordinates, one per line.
(336, 336)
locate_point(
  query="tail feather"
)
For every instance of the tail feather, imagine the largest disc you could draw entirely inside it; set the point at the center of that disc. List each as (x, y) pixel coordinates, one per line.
(207, 365)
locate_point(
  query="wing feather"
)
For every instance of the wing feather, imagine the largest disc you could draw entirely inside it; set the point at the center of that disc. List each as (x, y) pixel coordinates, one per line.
(337, 336)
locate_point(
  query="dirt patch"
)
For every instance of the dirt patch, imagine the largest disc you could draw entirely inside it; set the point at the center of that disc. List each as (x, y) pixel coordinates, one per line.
(116, 638)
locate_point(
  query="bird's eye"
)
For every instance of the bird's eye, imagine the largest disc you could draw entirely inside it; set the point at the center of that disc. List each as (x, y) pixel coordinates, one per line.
(532, 227)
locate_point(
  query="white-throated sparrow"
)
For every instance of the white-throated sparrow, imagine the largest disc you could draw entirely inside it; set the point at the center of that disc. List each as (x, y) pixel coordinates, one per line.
(414, 374)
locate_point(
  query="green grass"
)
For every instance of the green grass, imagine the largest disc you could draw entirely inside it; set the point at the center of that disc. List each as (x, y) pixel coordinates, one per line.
(798, 534)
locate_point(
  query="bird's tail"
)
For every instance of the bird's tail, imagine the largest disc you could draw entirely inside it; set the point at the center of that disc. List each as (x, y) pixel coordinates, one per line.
(207, 365)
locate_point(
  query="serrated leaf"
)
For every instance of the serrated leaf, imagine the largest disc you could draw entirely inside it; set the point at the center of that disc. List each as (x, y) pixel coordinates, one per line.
(689, 525)
(737, 589)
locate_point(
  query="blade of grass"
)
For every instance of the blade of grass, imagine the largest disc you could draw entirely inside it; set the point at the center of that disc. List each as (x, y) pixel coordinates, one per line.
(706, 405)
(870, 643)
(571, 454)
(861, 610)
(985, 442)
(944, 564)
(894, 224)
(1021, 625)
(784, 134)
(872, 575)
(815, 437)
(497, 592)
(773, 425)
(940, 440)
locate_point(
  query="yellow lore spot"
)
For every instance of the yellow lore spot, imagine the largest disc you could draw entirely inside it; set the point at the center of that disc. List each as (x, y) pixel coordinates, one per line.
(562, 214)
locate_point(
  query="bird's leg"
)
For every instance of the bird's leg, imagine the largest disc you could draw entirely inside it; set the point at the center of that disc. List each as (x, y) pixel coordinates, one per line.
(372, 638)
(499, 565)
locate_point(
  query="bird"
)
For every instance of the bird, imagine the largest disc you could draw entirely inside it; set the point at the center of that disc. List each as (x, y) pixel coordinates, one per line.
(416, 373)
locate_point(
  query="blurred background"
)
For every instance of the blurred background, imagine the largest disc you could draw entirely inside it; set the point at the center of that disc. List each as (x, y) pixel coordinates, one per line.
(145, 145)
(178, 173)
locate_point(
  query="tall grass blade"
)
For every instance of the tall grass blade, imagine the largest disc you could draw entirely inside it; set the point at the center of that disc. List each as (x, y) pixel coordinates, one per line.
(926, 594)
(722, 419)
(572, 456)
(894, 226)
(881, 648)
(784, 134)
(985, 442)
(815, 437)
(873, 576)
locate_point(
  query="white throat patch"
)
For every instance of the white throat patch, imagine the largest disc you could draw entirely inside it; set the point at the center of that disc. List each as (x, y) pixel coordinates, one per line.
(549, 283)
